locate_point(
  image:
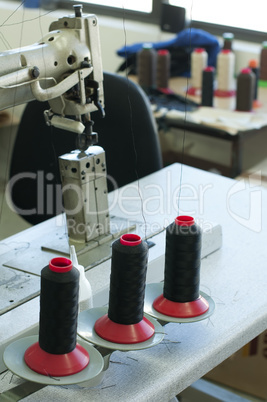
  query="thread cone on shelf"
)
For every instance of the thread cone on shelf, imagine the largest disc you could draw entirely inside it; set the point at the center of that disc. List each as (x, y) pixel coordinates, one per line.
(225, 74)
(199, 59)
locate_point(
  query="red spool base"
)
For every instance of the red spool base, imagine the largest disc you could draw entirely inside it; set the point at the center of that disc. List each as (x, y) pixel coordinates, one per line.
(56, 365)
(220, 93)
(181, 310)
(194, 91)
(256, 104)
(124, 334)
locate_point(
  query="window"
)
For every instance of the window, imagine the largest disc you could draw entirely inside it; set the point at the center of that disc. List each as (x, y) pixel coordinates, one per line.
(136, 5)
(246, 20)
(139, 10)
(238, 16)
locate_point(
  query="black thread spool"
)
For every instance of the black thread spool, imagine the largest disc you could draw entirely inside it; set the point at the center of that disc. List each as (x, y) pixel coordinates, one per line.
(263, 62)
(57, 354)
(245, 90)
(163, 68)
(228, 38)
(181, 296)
(253, 65)
(125, 322)
(146, 66)
(207, 86)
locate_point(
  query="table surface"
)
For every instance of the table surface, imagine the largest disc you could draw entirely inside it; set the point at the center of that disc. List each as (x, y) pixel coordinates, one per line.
(245, 133)
(234, 276)
(180, 84)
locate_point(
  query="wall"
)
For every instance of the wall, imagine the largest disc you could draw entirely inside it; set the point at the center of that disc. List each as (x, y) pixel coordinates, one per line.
(113, 32)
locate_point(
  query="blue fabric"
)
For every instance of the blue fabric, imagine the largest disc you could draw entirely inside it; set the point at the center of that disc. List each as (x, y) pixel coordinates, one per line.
(32, 3)
(189, 38)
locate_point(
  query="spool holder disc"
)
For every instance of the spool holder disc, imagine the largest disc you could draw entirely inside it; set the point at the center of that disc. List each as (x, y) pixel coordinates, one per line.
(86, 323)
(224, 93)
(14, 360)
(194, 91)
(154, 290)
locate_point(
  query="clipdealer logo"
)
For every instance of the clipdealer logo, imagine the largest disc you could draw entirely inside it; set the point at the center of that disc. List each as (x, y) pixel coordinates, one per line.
(45, 192)
(153, 198)
(250, 189)
(49, 195)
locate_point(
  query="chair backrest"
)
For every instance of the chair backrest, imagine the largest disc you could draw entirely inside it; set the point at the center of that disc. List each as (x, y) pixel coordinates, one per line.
(128, 135)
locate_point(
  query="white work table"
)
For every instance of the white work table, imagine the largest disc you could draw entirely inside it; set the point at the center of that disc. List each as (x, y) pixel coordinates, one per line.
(235, 276)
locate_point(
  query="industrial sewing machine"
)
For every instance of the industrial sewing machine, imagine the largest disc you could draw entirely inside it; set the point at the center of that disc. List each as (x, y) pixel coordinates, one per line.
(65, 69)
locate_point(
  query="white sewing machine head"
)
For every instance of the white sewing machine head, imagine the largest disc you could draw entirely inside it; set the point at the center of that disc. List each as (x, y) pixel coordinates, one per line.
(63, 68)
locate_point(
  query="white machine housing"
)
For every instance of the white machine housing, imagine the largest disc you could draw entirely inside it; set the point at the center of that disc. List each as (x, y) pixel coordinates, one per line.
(65, 69)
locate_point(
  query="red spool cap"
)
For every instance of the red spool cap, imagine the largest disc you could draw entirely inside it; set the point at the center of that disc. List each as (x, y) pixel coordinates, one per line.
(209, 69)
(226, 51)
(130, 239)
(246, 70)
(163, 52)
(199, 50)
(124, 334)
(60, 264)
(193, 91)
(184, 220)
(56, 365)
(190, 309)
(253, 63)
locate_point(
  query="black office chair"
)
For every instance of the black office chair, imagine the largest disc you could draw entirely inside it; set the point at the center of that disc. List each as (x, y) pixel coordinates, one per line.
(128, 134)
